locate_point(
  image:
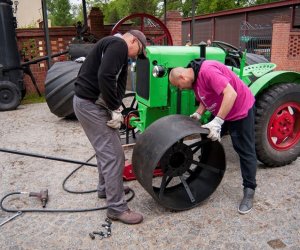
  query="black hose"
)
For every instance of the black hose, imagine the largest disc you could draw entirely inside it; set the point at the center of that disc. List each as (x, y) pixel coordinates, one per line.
(46, 157)
(54, 210)
(63, 185)
(73, 172)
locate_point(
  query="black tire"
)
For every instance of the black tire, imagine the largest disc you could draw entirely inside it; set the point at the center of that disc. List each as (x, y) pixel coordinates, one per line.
(284, 150)
(10, 96)
(59, 87)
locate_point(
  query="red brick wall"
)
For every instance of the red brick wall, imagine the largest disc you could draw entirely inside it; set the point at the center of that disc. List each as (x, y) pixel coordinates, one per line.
(31, 45)
(174, 25)
(285, 51)
(31, 42)
(95, 23)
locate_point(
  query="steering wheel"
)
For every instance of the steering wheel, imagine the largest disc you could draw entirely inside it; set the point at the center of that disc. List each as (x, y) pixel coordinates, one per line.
(228, 48)
(233, 54)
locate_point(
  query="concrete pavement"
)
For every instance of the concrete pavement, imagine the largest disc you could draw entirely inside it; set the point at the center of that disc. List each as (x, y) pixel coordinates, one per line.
(274, 222)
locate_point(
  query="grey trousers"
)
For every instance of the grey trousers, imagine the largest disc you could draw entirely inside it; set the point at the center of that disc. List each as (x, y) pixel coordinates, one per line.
(109, 152)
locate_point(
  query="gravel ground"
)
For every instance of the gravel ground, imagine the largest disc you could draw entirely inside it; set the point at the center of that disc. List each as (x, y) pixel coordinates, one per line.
(273, 223)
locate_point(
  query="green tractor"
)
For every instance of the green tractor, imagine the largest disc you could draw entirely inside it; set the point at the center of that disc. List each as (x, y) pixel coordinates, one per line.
(192, 166)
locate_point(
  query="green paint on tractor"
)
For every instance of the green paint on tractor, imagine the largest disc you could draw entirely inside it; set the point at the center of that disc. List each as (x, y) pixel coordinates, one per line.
(157, 98)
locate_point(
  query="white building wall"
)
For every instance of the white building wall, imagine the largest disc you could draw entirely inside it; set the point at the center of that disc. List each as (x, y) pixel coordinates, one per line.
(29, 13)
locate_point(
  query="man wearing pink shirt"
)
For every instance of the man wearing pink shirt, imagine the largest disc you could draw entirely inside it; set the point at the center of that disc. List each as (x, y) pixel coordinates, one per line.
(231, 102)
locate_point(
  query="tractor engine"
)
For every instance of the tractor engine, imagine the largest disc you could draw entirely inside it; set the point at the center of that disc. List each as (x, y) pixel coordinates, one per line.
(156, 97)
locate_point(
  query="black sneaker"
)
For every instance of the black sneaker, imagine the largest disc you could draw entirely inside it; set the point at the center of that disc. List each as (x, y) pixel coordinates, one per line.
(103, 195)
(247, 202)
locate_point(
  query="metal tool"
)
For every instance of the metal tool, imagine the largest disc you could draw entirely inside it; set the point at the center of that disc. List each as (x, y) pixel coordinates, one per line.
(92, 236)
(10, 218)
(42, 195)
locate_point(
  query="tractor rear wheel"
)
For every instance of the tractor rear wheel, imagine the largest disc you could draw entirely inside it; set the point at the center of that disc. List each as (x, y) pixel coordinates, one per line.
(277, 125)
(10, 96)
(59, 88)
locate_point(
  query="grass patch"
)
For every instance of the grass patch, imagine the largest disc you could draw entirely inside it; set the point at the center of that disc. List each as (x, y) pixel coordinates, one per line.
(33, 98)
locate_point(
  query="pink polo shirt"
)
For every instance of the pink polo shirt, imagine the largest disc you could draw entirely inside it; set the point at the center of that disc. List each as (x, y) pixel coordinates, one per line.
(212, 80)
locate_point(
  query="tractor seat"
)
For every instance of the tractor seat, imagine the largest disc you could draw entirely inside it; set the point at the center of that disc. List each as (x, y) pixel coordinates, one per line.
(258, 69)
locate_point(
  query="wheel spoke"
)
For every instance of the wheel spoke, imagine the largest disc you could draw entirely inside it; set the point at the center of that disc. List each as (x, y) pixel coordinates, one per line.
(168, 181)
(187, 189)
(142, 24)
(196, 149)
(190, 171)
(132, 103)
(164, 184)
(207, 167)
(159, 38)
(198, 143)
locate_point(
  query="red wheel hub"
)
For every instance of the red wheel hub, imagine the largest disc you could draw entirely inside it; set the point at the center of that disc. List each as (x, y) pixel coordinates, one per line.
(284, 126)
(127, 120)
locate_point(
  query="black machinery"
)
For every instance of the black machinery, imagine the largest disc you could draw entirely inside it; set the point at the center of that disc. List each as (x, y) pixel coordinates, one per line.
(12, 87)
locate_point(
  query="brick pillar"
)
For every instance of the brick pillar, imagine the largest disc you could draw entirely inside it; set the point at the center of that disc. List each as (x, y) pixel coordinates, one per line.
(95, 22)
(280, 42)
(174, 26)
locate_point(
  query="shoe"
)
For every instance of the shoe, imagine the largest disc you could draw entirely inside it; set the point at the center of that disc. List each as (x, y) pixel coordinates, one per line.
(247, 202)
(127, 217)
(103, 195)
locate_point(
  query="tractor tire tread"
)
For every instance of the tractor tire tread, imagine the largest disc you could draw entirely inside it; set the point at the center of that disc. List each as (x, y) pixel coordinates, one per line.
(264, 103)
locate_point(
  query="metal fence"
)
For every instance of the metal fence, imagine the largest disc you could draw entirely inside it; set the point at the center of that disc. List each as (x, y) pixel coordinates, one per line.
(256, 38)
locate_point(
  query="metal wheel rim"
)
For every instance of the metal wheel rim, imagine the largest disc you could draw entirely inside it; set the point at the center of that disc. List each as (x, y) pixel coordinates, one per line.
(127, 112)
(284, 126)
(6, 95)
(143, 16)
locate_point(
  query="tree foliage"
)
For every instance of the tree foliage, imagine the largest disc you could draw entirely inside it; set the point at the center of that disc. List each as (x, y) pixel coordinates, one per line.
(212, 6)
(114, 10)
(59, 12)
(118, 9)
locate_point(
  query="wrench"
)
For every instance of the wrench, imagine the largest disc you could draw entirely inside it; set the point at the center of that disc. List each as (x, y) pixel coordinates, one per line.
(10, 218)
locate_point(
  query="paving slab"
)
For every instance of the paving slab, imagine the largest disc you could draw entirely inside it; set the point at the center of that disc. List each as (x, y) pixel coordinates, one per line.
(273, 223)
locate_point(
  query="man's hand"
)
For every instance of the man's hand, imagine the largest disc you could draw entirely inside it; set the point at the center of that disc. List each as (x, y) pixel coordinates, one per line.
(116, 119)
(196, 116)
(215, 128)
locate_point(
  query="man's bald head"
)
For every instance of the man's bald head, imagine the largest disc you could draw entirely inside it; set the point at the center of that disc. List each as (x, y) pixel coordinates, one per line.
(182, 78)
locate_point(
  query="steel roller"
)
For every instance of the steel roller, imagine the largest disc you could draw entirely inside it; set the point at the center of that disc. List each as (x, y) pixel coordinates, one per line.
(192, 165)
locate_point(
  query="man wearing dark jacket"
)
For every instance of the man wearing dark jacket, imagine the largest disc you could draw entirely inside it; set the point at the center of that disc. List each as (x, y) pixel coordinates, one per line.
(99, 90)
